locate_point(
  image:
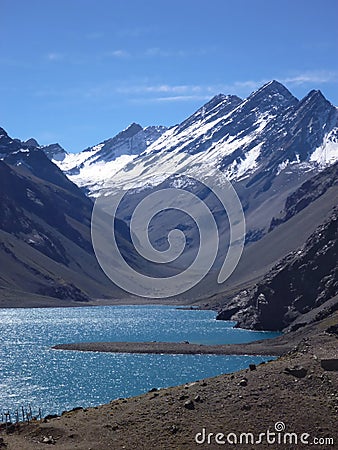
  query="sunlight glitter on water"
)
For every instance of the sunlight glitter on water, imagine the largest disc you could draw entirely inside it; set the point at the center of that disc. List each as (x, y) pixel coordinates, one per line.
(53, 380)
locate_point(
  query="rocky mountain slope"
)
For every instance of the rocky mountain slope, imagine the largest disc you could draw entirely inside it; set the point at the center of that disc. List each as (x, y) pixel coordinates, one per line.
(307, 193)
(299, 289)
(45, 245)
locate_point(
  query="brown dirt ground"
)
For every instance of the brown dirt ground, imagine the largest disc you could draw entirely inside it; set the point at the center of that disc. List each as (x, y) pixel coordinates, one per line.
(162, 420)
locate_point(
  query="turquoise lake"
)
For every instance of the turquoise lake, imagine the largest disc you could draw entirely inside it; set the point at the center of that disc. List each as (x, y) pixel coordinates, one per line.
(32, 373)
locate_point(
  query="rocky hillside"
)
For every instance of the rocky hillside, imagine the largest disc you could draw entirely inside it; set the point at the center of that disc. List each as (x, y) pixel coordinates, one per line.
(45, 242)
(297, 290)
(309, 191)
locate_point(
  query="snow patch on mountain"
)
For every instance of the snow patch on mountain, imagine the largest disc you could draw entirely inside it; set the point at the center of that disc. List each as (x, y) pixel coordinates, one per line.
(327, 153)
(242, 169)
(94, 176)
(92, 167)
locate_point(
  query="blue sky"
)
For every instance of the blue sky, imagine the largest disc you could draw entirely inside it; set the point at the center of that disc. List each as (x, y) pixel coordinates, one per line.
(79, 71)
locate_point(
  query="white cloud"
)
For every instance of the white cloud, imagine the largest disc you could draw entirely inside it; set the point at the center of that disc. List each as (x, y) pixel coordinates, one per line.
(118, 53)
(160, 88)
(180, 98)
(191, 92)
(147, 92)
(169, 93)
(53, 56)
(319, 77)
(155, 51)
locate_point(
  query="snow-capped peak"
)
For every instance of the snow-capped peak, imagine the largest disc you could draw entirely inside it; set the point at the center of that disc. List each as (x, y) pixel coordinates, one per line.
(94, 165)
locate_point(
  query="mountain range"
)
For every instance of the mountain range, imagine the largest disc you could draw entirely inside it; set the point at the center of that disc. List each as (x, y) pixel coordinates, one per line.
(280, 154)
(255, 139)
(266, 145)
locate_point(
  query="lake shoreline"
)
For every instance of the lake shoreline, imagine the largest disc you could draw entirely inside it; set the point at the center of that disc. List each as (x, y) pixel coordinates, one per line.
(276, 346)
(39, 301)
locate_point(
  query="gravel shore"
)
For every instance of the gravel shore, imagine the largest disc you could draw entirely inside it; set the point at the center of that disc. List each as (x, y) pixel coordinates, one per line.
(254, 348)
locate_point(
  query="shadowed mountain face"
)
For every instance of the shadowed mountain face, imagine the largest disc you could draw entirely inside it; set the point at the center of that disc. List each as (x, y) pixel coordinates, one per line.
(32, 160)
(23, 197)
(45, 242)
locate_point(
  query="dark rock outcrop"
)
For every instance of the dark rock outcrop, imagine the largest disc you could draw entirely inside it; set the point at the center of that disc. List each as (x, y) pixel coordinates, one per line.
(304, 280)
